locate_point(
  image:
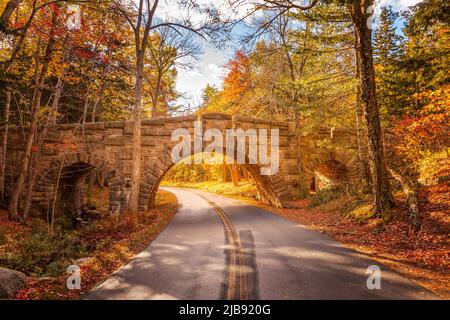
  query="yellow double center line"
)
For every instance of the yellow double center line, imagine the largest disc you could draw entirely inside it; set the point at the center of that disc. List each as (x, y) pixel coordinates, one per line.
(236, 270)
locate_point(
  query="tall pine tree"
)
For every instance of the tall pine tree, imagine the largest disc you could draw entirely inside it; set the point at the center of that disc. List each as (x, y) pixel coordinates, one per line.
(386, 42)
(387, 51)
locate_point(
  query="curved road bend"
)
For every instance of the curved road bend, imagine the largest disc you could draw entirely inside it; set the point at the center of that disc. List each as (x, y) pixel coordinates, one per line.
(219, 248)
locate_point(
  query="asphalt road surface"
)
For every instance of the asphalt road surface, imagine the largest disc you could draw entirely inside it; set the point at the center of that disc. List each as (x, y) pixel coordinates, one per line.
(219, 248)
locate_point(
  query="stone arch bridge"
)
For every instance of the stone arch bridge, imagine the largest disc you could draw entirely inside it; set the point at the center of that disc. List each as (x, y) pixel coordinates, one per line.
(71, 151)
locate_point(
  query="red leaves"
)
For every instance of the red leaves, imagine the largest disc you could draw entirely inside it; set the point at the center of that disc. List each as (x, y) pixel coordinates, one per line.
(426, 131)
(84, 53)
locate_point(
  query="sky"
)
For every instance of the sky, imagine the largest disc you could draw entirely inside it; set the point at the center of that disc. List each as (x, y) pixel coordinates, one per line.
(210, 67)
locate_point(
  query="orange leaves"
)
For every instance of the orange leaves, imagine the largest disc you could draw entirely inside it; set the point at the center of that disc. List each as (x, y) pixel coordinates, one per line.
(237, 81)
(427, 131)
(438, 101)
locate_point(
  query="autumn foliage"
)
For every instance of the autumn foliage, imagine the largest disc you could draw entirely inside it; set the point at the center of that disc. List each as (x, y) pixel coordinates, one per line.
(427, 131)
(237, 81)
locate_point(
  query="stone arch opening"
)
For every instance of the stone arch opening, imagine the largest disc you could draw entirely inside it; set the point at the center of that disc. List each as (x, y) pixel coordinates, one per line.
(312, 185)
(329, 174)
(330, 168)
(70, 195)
(63, 181)
(271, 188)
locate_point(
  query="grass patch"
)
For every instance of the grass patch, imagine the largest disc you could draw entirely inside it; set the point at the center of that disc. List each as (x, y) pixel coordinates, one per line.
(40, 254)
(244, 190)
(324, 196)
(361, 213)
(355, 206)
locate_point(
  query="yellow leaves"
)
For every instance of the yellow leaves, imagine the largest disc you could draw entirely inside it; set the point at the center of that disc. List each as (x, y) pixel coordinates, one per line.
(438, 100)
(72, 78)
(44, 112)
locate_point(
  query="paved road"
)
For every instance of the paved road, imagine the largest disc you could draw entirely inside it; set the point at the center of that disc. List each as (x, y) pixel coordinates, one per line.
(218, 248)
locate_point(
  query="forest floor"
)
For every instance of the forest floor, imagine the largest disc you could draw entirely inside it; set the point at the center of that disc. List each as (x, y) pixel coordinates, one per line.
(421, 254)
(99, 248)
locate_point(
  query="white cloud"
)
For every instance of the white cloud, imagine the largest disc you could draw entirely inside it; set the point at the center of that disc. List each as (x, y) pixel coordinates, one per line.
(191, 73)
(398, 4)
(209, 70)
(171, 11)
(216, 71)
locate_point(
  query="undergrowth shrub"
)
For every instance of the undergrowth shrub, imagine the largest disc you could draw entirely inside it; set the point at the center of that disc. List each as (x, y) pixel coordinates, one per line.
(44, 255)
(2, 236)
(324, 196)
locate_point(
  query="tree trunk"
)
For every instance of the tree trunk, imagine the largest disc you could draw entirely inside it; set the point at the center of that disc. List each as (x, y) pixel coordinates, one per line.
(301, 181)
(57, 96)
(224, 169)
(234, 174)
(411, 190)
(302, 191)
(86, 106)
(5, 143)
(99, 93)
(51, 119)
(362, 156)
(36, 103)
(245, 173)
(4, 24)
(6, 14)
(156, 99)
(98, 96)
(383, 199)
(39, 142)
(23, 173)
(14, 201)
(30, 184)
(136, 164)
(59, 84)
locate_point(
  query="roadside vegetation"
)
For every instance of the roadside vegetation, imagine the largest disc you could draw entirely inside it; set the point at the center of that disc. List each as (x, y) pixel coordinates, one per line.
(99, 247)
